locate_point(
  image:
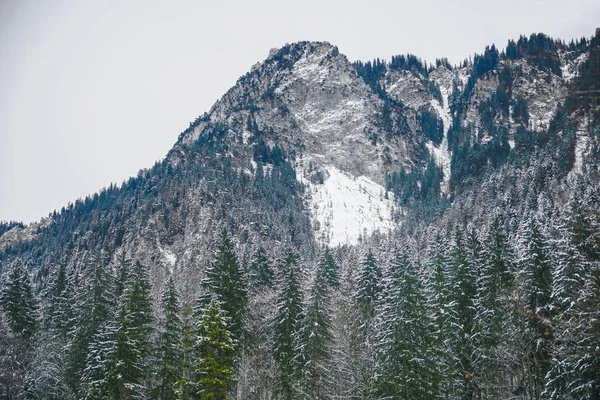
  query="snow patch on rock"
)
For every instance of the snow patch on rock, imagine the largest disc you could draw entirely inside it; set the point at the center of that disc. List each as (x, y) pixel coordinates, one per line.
(444, 79)
(345, 208)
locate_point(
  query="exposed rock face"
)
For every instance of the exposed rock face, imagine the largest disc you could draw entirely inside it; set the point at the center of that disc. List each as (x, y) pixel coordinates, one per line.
(343, 129)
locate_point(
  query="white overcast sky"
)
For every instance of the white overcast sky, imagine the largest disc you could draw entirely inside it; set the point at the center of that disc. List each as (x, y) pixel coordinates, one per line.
(92, 91)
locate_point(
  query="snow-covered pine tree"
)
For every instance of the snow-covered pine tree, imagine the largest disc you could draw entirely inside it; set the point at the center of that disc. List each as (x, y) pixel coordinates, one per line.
(169, 357)
(361, 329)
(225, 279)
(537, 309)
(19, 308)
(329, 269)
(119, 359)
(95, 306)
(260, 272)
(576, 297)
(493, 304)
(255, 371)
(215, 355)
(439, 305)
(462, 318)
(185, 386)
(286, 329)
(369, 286)
(316, 336)
(48, 375)
(404, 358)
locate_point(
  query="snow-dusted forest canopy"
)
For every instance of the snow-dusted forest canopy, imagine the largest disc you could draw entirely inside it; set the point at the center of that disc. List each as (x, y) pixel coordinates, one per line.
(334, 230)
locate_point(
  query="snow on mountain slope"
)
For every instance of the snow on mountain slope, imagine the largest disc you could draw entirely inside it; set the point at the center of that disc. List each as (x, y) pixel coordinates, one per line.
(345, 208)
(444, 79)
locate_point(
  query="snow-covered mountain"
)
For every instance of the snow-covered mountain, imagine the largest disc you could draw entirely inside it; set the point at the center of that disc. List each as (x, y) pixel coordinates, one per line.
(312, 149)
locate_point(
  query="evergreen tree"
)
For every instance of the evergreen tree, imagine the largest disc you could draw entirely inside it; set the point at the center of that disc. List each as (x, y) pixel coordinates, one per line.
(329, 269)
(20, 313)
(462, 317)
(316, 339)
(286, 330)
(439, 304)
(537, 285)
(139, 319)
(48, 373)
(215, 355)
(19, 306)
(185, 387)
(405, 360)
(225, 279)
(119, 358)
(260, 271)
(369, 286)
(95, 304)
(170, 345)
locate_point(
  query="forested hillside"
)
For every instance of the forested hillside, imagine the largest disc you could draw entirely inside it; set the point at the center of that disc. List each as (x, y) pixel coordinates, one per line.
(334, 230)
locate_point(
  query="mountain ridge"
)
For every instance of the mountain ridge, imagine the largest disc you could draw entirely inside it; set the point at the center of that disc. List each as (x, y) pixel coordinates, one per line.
(375, 119)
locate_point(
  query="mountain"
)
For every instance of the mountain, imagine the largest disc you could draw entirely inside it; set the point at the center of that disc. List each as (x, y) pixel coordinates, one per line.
(309, 150)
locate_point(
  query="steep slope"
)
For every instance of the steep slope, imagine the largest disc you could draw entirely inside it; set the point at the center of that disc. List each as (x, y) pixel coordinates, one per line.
(308, 148)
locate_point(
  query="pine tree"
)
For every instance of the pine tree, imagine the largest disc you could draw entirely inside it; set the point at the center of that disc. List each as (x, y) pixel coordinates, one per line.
(329, 269)
(19, 306)
(48, 374)
(185, 387)
(495, 280)
(369, 286)
(405, 360)
(576, 297)
(118, 362)
(260, 271)
(170, 345)
(316, 339)
(537, 285)
(362, 329)
(286, 330)
(439, 304)
(95, 304)
(20, 313)
(140, 315)
(463, 319)
(225, 279)
(215, 355)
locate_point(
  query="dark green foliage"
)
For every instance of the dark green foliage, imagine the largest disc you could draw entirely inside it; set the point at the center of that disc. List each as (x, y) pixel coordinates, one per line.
(215, 355)
(369, 285)
(226, 281)
(19, 305)
(410, 62)
(328, 270)
(170, 350)
(538, 308)
(463, 317)
(404, 363)
(419, 188)
(433, 127)
(185, 387)
(539, 50)
(260, 271)
(316, 338)
(18, 328)
(371, 72)
(286, 330)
